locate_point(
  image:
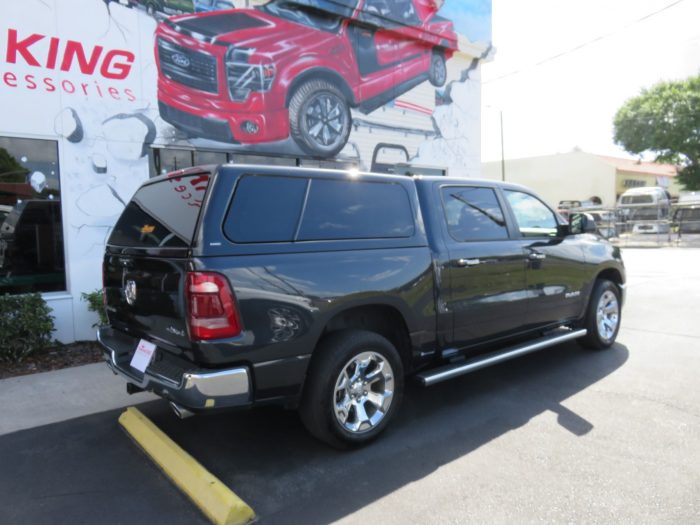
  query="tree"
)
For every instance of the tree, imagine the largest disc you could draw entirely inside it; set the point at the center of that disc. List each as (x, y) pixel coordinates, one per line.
(665, 120)
(10, 169)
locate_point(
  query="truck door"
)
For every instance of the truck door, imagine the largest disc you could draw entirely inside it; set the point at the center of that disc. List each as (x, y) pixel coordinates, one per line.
(486, 268)
(556, 272)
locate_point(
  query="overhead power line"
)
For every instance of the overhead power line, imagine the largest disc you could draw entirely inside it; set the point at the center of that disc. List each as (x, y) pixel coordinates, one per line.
(587, 43)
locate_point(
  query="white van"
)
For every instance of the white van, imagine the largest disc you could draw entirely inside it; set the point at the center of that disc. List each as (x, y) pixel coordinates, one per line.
(645, 210)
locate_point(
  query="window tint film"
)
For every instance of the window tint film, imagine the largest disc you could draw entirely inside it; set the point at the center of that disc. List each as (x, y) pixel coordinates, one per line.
(534, 218)
(163, 214)
(265, 209)
(473, 214)
(339, 209)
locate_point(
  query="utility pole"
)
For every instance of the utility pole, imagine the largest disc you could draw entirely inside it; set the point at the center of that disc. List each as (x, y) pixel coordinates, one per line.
(503, 156)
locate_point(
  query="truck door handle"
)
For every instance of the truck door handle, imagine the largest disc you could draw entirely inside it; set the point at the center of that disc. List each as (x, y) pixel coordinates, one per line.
(468, 262)
(537, 256)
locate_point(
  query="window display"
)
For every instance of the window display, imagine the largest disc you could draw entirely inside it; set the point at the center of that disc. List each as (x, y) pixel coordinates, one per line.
(31, 229)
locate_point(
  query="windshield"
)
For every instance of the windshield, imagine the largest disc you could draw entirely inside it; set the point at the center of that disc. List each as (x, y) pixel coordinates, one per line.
(637, 199)
(318, 14)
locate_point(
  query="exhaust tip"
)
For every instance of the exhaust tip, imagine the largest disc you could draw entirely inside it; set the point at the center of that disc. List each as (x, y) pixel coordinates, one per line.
(180, 411)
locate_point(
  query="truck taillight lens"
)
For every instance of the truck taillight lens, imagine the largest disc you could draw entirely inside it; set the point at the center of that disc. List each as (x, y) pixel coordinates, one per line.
(211, 306)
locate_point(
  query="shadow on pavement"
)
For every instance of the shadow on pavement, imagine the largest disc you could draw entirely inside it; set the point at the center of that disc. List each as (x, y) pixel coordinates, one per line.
(78, 468)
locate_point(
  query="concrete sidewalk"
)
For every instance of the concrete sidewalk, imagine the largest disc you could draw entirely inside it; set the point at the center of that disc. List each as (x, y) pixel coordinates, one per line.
(39, 399)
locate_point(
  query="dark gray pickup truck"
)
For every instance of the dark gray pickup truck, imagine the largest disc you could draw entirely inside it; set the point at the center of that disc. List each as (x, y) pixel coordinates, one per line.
(324, 290)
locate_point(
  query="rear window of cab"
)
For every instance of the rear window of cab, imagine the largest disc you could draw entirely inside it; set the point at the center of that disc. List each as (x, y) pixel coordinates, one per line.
(285, 209)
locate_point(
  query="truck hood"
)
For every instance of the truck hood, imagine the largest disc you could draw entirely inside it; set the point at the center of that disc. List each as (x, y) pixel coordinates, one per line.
(251, 28)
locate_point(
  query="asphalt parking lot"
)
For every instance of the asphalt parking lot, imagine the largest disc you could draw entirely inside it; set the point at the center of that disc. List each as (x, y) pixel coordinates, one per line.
(565, 435)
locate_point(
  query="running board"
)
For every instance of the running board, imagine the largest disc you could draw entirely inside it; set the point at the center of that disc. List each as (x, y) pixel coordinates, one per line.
(444, 373)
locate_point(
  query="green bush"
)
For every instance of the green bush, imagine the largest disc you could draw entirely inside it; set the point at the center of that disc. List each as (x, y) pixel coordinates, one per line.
(95, 301)
(26, 325)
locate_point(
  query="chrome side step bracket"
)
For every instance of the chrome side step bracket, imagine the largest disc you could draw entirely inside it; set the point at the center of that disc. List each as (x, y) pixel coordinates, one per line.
(431, 377)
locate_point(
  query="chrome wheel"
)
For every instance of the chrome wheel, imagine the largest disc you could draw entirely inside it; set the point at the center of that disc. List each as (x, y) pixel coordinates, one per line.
(607, 315)
(326, 121)
(363, 392)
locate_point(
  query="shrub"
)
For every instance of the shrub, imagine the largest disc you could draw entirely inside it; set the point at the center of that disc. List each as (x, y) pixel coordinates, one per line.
(95, 301)
(26, 325)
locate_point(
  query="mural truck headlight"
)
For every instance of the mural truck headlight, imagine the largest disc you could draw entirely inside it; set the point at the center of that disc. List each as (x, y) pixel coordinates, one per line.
(244, 77)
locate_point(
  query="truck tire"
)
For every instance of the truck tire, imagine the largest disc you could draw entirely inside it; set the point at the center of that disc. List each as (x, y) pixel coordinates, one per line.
(353, 388)
(603, 316)
(438, 69)
(319, 118)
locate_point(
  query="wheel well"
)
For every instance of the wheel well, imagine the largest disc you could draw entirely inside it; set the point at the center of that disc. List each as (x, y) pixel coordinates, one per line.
(384, 320)
(611, 275)
(323, 74)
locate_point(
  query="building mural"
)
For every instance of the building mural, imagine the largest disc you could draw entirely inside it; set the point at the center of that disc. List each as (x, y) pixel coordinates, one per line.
(98, 95)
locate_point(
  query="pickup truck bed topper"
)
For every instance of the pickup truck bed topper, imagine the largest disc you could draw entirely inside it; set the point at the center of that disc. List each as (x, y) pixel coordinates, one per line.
(323, 289)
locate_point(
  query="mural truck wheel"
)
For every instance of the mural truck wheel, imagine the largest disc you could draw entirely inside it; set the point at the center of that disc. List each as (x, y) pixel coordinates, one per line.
(319, 118)
(438, 69)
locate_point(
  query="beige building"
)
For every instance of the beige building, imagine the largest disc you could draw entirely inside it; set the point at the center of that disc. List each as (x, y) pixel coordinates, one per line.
(578, 175)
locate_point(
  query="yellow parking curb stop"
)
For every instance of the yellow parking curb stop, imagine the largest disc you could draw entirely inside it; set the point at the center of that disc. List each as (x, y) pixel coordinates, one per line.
(212, 497)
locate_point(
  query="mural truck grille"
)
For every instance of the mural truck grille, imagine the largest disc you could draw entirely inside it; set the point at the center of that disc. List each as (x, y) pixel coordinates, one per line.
(188, 67)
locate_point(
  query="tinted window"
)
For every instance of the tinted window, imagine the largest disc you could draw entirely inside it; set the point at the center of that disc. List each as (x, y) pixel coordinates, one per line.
(534, 218)
(163, 214)
(637, 199)
(265, 209)
(356, 210)
(473, 214)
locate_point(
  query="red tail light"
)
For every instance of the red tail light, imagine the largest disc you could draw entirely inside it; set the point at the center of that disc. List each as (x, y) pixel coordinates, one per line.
(211, 306)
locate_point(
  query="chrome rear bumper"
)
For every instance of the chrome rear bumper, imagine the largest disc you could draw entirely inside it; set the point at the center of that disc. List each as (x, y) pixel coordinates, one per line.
(193, 389)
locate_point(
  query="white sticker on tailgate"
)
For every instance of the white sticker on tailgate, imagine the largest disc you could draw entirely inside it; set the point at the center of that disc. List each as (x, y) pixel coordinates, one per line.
(143, 355)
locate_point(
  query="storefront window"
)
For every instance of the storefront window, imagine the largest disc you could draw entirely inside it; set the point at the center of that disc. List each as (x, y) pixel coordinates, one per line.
(31, 230)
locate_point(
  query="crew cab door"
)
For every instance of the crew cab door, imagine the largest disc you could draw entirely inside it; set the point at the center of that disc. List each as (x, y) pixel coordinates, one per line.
(486, 269)
(556, 273)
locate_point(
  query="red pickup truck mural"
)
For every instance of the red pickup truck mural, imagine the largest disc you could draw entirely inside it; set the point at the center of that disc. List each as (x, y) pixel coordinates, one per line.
(296, 68)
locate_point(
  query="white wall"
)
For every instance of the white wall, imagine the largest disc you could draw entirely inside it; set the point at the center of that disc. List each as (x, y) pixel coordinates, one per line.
(565, 176)
(119, 117)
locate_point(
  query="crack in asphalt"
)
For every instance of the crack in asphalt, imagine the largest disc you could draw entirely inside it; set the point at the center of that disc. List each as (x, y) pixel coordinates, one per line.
(641, 397)
(660, 332)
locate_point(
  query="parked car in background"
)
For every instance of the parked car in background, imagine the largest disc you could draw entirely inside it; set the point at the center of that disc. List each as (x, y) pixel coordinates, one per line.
(686, 213)
(323, 290)
(686, 219)
(566, 206)
(605, 222)
(644, 210)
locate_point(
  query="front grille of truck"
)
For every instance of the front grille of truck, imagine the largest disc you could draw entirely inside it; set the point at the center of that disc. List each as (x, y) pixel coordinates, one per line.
(188, 67)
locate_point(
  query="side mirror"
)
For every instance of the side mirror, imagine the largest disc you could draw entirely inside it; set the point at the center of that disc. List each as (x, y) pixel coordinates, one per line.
(581, 223)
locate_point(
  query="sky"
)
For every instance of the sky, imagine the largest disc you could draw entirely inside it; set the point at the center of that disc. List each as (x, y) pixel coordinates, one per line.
(553, 105)
(471, 18)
